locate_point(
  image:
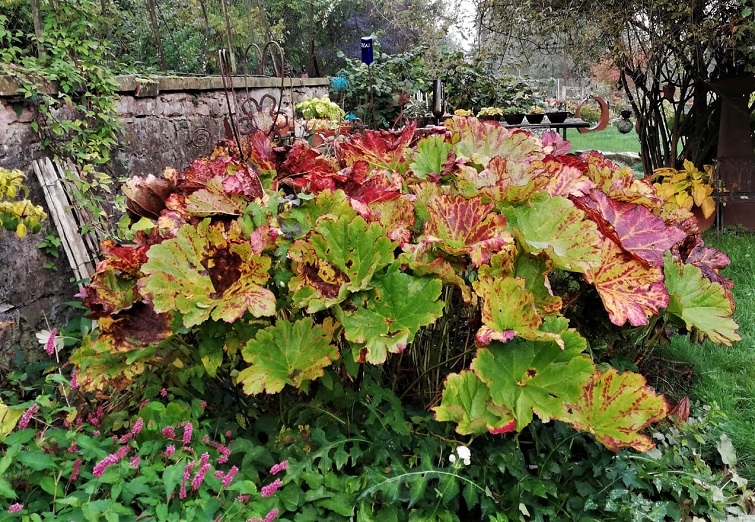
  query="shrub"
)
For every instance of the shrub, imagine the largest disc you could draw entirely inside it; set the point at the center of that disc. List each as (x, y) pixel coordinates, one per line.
(474, 267)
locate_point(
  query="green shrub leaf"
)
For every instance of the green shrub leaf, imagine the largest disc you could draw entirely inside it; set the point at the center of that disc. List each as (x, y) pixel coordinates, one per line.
(287, 353)
(614, 408)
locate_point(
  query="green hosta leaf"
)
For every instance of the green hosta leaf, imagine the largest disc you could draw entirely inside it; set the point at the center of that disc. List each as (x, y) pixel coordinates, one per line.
(287, 353)
(629, 290)
(431, 154)
(388, 321)
(699, 302)
(206, 271)
(539, 377)
(555, 227)
(466, 401)
(614, 408)
(8, 418)
(338, 258)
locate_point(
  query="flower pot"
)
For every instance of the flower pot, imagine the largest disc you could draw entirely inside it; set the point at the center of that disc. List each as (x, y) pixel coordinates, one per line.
(492, 117)
(557, 116)
(514, 119)
(535, 118)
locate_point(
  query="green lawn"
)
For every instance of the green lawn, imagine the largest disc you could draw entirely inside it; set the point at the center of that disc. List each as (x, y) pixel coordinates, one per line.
(726, 375)
(608, 140)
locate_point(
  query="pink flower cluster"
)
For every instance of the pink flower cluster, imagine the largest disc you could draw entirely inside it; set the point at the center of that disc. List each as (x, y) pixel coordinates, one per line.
(281, 466)
(204, 467)
(111, 459)
(26, 417)
(227, 478)
(15, 508)
(272, 515)
(271, 488)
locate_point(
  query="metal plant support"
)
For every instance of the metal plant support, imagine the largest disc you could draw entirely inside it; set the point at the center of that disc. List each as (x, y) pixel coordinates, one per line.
(246, 113)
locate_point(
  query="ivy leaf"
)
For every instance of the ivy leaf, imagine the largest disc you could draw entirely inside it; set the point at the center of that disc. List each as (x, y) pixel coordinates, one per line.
(206, 271)
(629, 291)
(466, 226)
(388, 321)
(430, 156)
(293, 354)
(338, 258)
(555, 227)
(529, 376)
(9, 416)
(466, 401)
(615, 408)
(699, 302)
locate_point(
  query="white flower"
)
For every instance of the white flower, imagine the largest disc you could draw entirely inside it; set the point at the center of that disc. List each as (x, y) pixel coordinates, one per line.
(464, 454)
(452, 458)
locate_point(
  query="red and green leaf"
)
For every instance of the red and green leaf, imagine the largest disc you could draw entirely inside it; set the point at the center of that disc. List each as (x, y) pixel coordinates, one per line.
(287, 353)
(641, 233)
(615, 407)
(466, 401)
(430, 157)
(630, 291)
(380, 149)
(479, 142)
(388, 319)
(555, 227)
(508, 310)
(208, 272)
(338, 258)
(534, 377)
(466, 226)
(701, 304)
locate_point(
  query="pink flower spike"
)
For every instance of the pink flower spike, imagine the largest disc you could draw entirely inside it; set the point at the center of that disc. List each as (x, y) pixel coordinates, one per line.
(169, 432)
(271, 488)
(15, 508)
(229, 476)
(281, 466)
(74, 379)
(188, 430)
(135, 461)
(242, 498)
(163, 393)
(26, 417)
(272, 515)
(138, 426)
(170, 450)
(50, 344)
(76, 468)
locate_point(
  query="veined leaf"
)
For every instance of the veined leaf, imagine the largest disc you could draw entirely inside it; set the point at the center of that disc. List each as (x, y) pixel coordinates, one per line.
(619, 183)
(540, 377)
(557, 228)
(466, 226)
(641, 233)
(396, 216)
(215, 200)
(508, 310)
(629, 291)
(206, 271)
(615, 408)
(700, 303)
(286, 353)
(338, 258)
(466, 401)
(480, 142)
(380, 149)
(565, 180)
(9, 416)
(431, 154)
(388, 321)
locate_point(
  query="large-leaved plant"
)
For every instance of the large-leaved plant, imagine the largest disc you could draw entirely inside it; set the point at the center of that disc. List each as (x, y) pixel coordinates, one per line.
(272, 265)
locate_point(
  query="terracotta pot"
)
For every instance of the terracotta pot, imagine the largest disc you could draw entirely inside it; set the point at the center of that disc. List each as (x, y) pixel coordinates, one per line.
(703, 223)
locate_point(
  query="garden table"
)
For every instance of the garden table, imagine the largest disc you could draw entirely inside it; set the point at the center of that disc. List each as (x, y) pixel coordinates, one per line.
(569, 123)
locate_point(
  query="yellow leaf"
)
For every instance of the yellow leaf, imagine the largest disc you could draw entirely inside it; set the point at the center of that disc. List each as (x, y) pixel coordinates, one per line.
(708, 207)
(21, 230)
(8, 419)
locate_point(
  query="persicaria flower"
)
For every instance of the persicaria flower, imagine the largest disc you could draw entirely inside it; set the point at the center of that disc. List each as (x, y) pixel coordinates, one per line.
(242, 498)
(138, 425)
(185, 479)
(135, 461)
(163, 393)
(272, 515)
(188, 430)
(170, 450)
(228, 478)
(271, 488)
(74, 379)
(204, 467)
(26, 417)
(281, 466)
(76, 467)
(169, 432)
(15, 508)
(50, 344)
(111, 459)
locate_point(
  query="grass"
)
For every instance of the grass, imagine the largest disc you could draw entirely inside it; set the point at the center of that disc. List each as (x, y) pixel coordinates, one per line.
(608, 140)
(726, 375)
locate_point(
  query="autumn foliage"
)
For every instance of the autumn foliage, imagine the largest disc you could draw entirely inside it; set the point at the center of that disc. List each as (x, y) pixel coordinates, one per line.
(277, 265)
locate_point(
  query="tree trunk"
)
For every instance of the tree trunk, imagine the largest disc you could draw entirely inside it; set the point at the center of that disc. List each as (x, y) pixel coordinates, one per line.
(156, 34)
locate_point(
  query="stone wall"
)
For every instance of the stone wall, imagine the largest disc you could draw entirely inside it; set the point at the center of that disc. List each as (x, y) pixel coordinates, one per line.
(167, 122)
